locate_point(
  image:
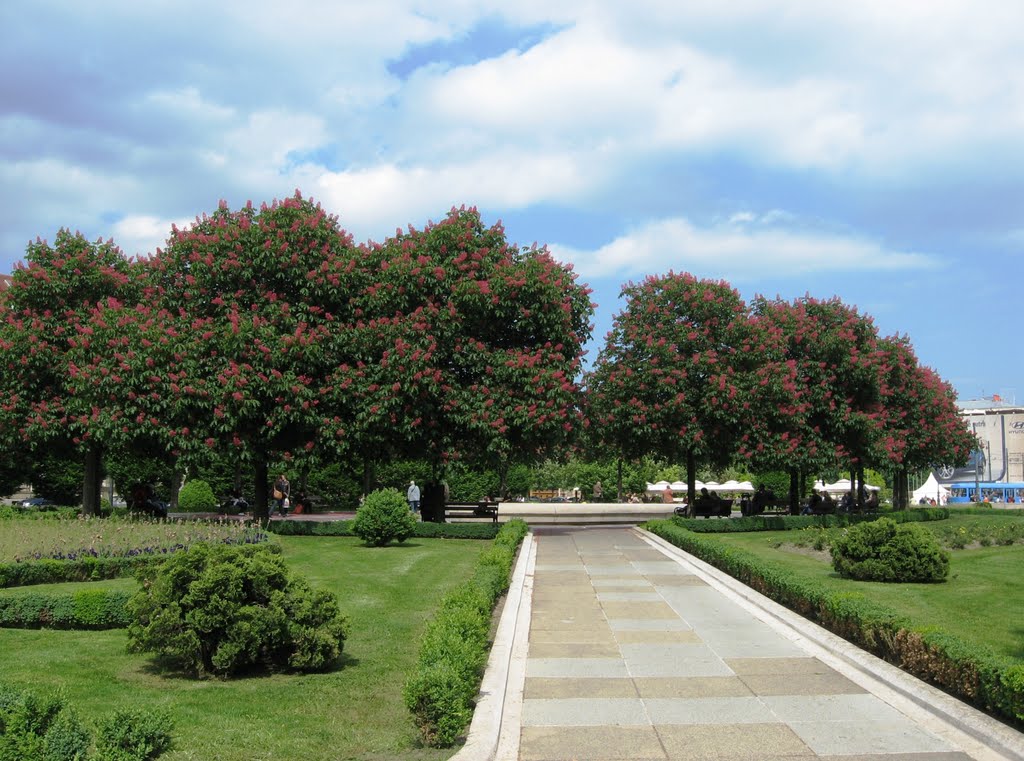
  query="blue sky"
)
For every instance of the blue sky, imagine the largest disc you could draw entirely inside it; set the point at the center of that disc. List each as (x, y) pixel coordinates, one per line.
(871, 150)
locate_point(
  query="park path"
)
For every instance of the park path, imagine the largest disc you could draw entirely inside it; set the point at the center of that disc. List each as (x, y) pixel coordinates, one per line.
(632, 655)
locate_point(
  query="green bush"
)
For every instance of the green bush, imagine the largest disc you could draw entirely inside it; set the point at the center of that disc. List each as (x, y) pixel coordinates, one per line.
(791, 522)
(228, 610)
(133, 735)
(453, 651)
(883, 550)
(384, 516)
(197, 497)
(45, 728)
(39, 728)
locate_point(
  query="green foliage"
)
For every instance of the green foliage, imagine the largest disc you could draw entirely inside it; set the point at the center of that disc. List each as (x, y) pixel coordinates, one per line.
(336, 486)
(197, 497)
(58, 477)
(796, 522)
(441, 692)
(883, 550)
(423, 530)
(66, 739)
(134, 735)
(384, 516)
(229, 610)
(82, 609)
(40, 728)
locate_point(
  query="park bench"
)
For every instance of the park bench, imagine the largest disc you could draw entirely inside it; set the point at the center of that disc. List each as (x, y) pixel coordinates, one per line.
(712, 508)
(481, 509)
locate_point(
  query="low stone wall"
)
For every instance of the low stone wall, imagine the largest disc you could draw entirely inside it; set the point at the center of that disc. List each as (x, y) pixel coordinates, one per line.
(587, 512)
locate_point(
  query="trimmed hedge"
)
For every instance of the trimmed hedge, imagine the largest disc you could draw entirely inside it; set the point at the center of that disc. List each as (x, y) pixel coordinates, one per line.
(441, 692)
(83, 609)
(972, 673)
(789, 522)
(423, 530)
(58, 571)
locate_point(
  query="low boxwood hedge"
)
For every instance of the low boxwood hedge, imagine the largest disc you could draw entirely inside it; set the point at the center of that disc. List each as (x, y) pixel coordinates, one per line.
(790, 522)
(972, 673)
(425, 530)
(82, 609)
(442, 690)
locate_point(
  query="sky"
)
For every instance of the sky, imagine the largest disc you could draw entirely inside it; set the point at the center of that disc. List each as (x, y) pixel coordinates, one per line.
(869, 150)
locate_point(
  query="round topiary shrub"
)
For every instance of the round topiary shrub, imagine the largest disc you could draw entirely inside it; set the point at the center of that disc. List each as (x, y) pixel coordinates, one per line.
(227, 610)
(196, 497)
(383, 516)
(884, 550)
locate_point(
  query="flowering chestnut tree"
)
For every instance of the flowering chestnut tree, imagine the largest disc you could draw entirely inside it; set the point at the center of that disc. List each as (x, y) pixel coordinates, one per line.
(672, 379)
(824, 358)
(462, 345)
(44, 322)
(922, 426)
(247, 317)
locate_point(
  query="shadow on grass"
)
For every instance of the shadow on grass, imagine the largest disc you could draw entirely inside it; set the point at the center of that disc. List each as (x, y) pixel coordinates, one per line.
(164, 669)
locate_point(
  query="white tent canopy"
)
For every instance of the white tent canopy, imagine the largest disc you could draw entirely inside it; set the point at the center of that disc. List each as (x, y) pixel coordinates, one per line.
(841, 486)
(930, 489)
(674, 486)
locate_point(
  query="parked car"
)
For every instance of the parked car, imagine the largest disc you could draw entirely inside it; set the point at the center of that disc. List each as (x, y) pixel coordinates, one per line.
(37, 503)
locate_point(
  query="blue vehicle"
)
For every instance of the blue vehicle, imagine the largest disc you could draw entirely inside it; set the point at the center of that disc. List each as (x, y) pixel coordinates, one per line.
(986, 491)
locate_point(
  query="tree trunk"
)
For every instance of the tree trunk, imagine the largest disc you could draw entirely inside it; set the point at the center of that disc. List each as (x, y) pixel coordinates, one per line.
(618, 488)
(93, 481)
(794, 491)
(691, 482)
(368, 476)
(175, 487)
(260, 510)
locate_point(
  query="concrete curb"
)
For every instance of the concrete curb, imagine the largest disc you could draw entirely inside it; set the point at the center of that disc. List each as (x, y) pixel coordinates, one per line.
(991, 734)
(501, 691)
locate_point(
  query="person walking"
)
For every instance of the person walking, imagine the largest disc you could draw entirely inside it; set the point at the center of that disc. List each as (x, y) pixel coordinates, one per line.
(412, 495)
(281, 491)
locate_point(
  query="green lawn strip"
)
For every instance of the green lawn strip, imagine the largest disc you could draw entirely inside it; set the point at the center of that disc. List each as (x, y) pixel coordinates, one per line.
(972, 605)
(355, 712)
(70, 587)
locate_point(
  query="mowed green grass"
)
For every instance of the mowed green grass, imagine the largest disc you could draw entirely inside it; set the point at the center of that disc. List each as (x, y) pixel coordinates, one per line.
(354, 712)
(982, 602)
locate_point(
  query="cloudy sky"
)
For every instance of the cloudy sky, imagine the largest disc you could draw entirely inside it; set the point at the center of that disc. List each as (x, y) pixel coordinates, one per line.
(871, 150)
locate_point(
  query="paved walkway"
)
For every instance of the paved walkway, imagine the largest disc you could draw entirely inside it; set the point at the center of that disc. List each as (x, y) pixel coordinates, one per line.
(633, 655)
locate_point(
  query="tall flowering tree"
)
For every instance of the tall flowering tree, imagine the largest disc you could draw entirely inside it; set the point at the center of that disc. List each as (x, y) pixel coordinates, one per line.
(462, 345)
(833, 369)
(922, 426)
(673, 377)
(42, 403)
(247, 317)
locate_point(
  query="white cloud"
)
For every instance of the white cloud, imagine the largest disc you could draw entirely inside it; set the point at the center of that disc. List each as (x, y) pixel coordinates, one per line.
(735, 252)
(141, 235)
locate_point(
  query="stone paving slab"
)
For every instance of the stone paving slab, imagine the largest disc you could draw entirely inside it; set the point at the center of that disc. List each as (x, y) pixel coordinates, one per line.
(633, 656)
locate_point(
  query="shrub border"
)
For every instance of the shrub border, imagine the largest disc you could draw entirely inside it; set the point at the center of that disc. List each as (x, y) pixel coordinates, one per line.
(424, 530)
(788, 522)
(976, 675)
(82, 609)
(442, 690)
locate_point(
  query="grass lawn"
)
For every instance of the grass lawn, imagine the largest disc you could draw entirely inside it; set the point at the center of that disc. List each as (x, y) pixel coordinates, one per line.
(355, 712)
(981, 602)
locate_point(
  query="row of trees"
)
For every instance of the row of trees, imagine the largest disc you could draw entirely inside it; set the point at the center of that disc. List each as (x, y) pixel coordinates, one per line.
(691, 371)
(265, 335)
